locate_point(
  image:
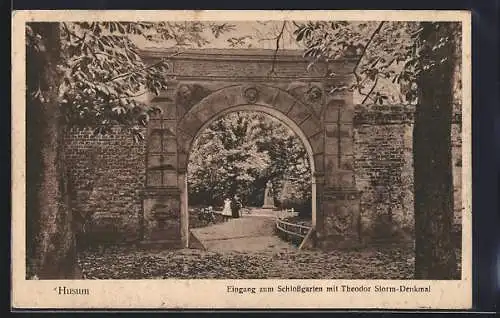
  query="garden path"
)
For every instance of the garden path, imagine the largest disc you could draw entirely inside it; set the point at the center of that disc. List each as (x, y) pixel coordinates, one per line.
(251, 232)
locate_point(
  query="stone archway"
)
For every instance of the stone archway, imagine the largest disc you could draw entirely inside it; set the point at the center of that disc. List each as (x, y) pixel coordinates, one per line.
(326, 131)
(270, 100)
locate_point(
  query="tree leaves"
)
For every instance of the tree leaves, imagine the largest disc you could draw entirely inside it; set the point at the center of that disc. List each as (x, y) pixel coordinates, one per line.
(103, 72)
(388, 53)
(133, 263)
(239, 153)
(380, 99)
(218, 29)
(239, 41)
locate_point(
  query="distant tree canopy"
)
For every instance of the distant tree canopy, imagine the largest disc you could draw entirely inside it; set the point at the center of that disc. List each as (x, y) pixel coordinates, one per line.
(239, 153)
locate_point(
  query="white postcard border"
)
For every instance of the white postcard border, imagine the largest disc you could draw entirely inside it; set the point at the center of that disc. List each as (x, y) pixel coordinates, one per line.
(173, 293)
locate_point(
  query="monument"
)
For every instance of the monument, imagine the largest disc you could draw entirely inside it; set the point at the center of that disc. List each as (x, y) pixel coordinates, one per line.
(268, 196)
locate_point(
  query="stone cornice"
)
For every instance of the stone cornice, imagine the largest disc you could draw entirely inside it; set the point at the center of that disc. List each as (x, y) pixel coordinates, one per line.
(263, 79)
(246, 55)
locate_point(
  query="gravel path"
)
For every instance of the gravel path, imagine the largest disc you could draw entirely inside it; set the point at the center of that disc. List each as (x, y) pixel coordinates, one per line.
(250, 233)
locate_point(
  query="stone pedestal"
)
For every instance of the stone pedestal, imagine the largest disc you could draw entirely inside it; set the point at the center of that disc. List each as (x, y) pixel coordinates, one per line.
(341, 219)
(161, 225)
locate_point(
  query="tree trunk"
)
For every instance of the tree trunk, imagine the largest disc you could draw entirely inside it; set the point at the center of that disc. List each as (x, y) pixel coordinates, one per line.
(50, 237)
(434, 256)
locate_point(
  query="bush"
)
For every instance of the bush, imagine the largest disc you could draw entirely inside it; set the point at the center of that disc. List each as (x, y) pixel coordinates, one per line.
(201, 217)
(293, 196)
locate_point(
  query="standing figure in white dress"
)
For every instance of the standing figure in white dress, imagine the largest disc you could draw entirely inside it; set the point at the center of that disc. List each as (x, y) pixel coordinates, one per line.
(227, 207)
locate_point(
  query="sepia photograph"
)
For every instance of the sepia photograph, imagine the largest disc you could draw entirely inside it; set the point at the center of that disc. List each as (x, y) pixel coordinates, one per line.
(218, 147)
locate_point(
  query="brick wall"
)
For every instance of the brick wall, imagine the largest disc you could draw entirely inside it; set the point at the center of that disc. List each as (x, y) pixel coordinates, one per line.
(107, 174)
(384, 168)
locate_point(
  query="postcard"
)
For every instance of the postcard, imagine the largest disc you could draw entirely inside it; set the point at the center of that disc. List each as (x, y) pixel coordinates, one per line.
(241, 159)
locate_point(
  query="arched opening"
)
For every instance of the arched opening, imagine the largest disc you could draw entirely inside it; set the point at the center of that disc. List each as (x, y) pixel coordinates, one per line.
(255, 194)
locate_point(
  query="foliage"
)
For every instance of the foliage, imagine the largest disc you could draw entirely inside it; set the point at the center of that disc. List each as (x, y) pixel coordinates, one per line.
(199, 217)
(103, 75)
(207, 215)
(390, 55)
(224, 159)
(392, 263)
(240, 41)
(239, 153)
(295, 195)
(422, 60)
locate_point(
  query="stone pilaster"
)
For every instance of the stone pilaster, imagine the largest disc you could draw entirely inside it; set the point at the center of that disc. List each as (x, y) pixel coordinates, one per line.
(340, 201)
(162, 204)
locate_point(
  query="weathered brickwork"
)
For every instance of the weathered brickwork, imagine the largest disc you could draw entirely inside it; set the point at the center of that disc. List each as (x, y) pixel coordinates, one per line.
(107, 175)
(384, 169)
(362, 154)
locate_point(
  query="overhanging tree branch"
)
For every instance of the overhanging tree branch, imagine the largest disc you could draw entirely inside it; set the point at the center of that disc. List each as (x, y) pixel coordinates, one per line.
(278, 39)
(375, 32)
(354, 70)
(371, 91)
(142, 69)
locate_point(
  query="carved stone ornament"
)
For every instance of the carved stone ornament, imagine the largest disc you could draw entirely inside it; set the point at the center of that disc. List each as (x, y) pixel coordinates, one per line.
(251, 94)
(184, 94)
(314, 94)
(342, 219)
